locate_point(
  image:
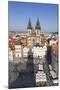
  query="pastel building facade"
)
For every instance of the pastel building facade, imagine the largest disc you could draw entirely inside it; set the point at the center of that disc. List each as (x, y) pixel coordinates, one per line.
(18, 51)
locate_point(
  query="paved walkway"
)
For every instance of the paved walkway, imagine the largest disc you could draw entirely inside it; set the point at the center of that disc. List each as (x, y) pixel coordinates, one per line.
(27, 79)
(46, 70)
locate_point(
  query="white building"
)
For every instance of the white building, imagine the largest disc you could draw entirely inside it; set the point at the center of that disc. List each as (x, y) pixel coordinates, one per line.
(18, 51)
(25, 52)
(40, 78)
(39, 51)
(10, 54)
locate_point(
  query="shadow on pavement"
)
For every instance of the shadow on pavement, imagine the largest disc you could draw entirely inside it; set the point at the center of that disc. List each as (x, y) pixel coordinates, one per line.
(26, 78)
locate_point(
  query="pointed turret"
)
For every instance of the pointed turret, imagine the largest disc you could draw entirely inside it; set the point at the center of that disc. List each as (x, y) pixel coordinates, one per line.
(38, 24)
(37, 28)
(29, 25)
(29, 28)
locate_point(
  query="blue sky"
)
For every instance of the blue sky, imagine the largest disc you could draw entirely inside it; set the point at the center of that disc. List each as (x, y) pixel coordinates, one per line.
(20, 12)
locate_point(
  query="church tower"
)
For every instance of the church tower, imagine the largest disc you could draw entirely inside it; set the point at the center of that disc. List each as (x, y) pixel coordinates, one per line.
(38, 31)
(29, 28)
(37, 28)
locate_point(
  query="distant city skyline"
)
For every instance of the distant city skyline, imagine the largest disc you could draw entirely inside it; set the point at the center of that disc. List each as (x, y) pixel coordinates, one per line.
(20, 12)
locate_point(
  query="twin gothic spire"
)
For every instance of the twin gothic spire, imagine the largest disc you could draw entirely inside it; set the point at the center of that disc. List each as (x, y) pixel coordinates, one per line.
(37, 24)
